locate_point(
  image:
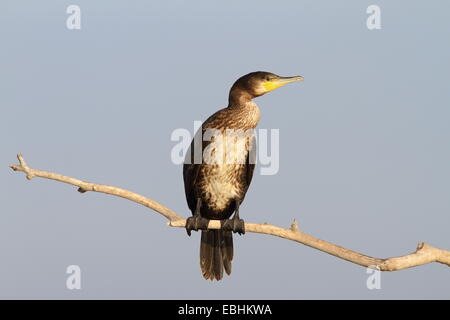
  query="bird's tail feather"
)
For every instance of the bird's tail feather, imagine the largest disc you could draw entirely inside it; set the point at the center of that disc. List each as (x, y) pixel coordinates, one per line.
(216, 253)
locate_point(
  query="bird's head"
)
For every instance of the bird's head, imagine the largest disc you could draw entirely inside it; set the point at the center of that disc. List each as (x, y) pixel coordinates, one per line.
(257, 83)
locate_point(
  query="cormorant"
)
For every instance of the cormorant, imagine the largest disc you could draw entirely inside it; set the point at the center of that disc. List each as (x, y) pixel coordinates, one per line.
(215, 188)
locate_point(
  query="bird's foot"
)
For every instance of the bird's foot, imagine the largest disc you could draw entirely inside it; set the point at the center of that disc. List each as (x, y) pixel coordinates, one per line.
(196, 223)
(235, 224)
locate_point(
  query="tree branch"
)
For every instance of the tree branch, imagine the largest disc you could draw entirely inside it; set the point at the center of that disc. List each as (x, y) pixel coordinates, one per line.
(424, 253)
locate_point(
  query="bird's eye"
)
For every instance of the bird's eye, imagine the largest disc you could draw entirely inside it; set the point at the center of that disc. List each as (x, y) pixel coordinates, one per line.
(268, 78)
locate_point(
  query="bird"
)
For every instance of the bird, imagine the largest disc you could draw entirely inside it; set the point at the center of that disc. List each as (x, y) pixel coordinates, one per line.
(218, 169)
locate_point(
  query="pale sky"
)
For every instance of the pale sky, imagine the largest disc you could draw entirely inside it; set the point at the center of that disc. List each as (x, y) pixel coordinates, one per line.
(364, 144)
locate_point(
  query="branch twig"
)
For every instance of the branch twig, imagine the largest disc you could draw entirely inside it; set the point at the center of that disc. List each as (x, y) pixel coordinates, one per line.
(424, 253)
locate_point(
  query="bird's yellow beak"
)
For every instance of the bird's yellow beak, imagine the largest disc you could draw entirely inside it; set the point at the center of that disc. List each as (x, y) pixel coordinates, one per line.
(279, 82)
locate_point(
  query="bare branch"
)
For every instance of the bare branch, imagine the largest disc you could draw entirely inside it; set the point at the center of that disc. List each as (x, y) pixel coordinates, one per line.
(424, 253)
(84, 186)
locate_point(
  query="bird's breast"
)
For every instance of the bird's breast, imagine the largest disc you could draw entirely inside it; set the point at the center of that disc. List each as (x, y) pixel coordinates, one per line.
(222, 175)
(221, 184)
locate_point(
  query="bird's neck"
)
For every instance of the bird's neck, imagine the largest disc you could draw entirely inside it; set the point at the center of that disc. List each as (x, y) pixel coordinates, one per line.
(245, 112)
(245, 115)
(238, 98)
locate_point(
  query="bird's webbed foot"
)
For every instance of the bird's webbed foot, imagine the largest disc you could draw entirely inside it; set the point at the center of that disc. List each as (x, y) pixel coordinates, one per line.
(236, 224)
(196, 222)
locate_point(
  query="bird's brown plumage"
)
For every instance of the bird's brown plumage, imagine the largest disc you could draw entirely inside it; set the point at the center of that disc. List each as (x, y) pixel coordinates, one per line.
(221, 186)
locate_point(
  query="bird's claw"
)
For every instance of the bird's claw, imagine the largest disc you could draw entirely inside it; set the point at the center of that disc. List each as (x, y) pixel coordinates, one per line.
(196, 223)
(235, 225)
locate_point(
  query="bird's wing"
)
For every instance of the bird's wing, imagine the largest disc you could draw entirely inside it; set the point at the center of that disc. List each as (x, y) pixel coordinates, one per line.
(190, 172)
(251, 161)
(191, 168)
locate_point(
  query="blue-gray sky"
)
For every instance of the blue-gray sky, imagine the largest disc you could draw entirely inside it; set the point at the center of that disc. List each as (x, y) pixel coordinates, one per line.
(364, 143)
